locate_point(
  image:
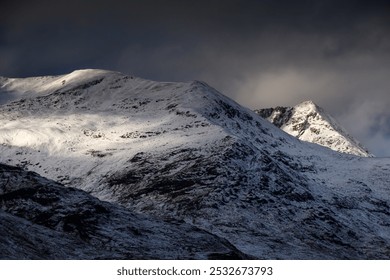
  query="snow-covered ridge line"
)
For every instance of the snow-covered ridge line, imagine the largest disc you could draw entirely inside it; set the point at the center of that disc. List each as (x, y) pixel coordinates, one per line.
(39, 86)
(309, 122)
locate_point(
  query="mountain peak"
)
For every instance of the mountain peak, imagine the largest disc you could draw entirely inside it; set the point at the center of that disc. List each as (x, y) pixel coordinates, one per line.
(309, 122)
(308, 104)
(12, 89)
(85, 74)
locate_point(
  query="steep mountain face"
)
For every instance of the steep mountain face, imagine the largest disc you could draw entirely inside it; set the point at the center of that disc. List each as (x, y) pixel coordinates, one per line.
(309, 122)
(41, 219)
(183, 151)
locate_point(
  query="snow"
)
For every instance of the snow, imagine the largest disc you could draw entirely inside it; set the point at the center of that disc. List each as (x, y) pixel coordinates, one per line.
(113, 123)
(184, 151)
(38, 86)
(309, 122)
(43, 220)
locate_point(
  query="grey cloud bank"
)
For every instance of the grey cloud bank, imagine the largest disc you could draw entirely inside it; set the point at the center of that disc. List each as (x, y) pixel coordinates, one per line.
(260, 53)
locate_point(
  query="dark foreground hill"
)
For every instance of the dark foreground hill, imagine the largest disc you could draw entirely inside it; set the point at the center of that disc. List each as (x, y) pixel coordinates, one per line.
(41, 219)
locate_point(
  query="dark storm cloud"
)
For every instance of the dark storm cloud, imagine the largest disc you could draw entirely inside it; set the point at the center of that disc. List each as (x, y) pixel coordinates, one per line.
(92, 32)
(261, 53)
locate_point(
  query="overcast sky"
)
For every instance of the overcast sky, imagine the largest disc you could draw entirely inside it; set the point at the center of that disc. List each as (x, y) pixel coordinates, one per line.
(260, 53)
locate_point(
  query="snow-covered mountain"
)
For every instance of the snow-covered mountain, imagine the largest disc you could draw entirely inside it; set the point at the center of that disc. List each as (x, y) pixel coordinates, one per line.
(183, 151)
(309, 122)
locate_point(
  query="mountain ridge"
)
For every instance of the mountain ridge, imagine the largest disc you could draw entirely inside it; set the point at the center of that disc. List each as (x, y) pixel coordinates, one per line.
(184, 151)
(309, 122)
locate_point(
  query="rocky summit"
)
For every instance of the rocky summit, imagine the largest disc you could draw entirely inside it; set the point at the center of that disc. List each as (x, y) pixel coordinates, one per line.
(309, 122)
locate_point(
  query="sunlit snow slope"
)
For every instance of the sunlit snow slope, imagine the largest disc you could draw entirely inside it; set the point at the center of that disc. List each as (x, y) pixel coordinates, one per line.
(184, 151)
